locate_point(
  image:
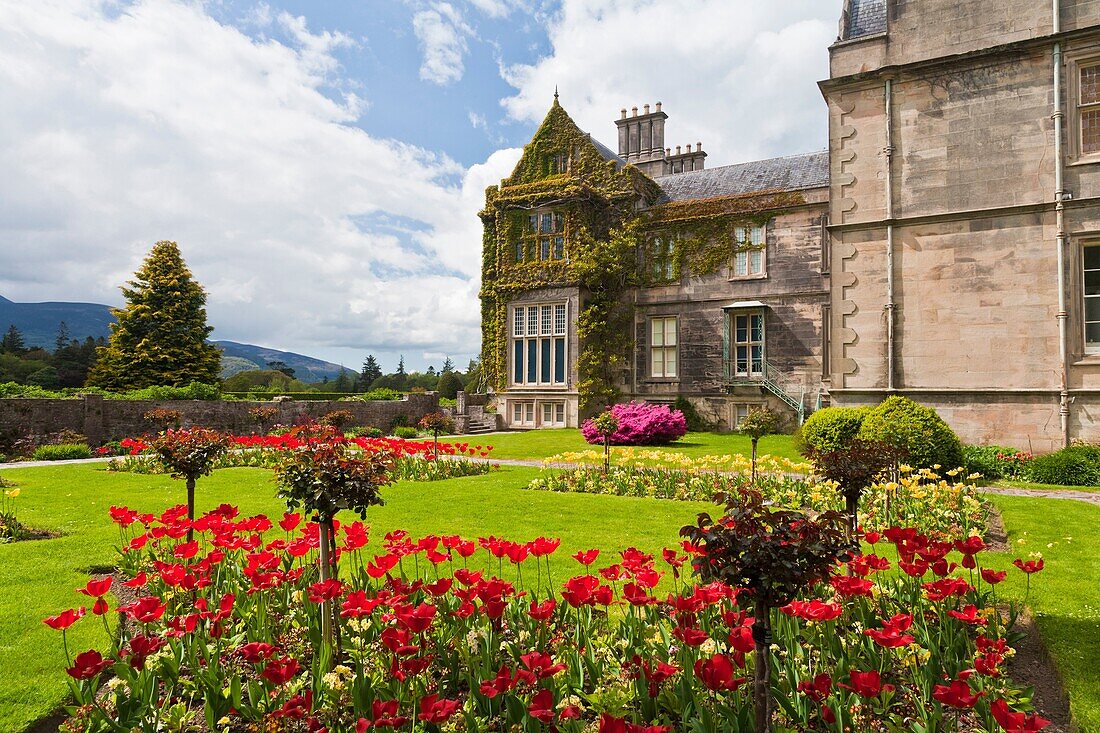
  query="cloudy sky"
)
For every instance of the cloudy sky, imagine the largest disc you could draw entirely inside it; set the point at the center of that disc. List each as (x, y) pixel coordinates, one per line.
(321, 162)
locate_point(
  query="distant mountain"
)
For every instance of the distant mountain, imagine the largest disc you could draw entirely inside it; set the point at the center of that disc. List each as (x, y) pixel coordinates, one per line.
(39, 323)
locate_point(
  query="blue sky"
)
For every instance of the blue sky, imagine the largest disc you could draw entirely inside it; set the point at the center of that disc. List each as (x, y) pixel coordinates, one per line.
(321, 164)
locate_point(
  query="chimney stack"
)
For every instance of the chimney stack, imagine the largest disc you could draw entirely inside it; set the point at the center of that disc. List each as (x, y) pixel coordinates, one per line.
(642, 138)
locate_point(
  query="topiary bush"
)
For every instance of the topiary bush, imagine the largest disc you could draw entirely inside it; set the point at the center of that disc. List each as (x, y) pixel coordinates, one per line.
(831, 428)
(640, 423)
(1078, 465)
(406, 432)
(62, 452)
(920, 436)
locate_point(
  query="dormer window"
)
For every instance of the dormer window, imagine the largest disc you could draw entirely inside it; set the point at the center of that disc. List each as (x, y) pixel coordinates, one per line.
(543, 237)
(559, 163)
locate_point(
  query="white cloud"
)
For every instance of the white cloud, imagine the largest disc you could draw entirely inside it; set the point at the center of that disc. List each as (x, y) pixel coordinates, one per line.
(123, 126)
(442, 34)
(738, 75)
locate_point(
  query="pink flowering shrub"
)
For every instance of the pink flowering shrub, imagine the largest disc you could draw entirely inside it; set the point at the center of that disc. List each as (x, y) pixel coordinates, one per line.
(640, 423)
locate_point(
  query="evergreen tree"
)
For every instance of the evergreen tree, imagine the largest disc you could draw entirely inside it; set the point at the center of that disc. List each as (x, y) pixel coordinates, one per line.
(343, 383)
(371, 371)
(448, 385)
(63, 337)
(431, 370)
(400, 364)
(160, 336)
(448, 366)
(13, 343)
(281, 366)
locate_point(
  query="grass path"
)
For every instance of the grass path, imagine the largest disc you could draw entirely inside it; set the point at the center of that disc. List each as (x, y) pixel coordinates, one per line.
(38, 578)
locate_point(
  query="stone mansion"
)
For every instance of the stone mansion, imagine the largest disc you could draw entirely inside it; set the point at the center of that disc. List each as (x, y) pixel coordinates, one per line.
(945, 247)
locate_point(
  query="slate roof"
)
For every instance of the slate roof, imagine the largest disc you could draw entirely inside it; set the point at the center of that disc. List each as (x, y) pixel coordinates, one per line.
(606, 152)
(792, 173)
(865, 18)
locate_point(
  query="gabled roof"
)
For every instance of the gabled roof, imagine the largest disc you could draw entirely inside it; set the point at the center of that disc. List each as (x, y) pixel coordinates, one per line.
(865, 18)
(606, 152)
(792, 173)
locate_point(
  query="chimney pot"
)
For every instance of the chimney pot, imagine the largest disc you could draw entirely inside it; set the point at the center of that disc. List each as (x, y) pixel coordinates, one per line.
(677, 149)
(623, 112)
(647, 109)
(698, 147)
(634, 111)
(668, 151)
(658, 106)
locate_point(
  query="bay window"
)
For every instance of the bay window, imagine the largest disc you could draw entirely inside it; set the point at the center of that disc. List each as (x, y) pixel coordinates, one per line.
(539, 344)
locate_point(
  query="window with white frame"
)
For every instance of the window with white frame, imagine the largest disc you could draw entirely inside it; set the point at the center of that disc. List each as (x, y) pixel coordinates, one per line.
(1088, 108)
(523, 414)
(660, 262)
(737, 414)
(539, 344)
(1091, 293)
(663, 347)
(749, 249)
(553, 414)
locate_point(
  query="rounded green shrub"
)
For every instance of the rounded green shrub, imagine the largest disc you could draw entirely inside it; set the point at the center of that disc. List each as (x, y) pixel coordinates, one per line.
(61, 452)
(830, 429)
(1078, 465)
(917, 431)
(406, 432)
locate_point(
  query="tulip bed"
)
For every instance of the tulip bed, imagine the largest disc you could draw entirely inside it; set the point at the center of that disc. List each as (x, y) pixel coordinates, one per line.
(921, 499)
(414, 460)
(442, 632)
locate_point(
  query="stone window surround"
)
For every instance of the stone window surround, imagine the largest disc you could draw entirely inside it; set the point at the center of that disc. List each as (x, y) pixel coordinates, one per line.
(1075, 60)
(1092, 353)
(531, 240)
(556, 333)
(763, 274)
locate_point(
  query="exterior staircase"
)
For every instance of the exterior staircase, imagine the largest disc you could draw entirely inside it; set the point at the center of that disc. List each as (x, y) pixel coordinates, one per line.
(789, 390)
(485, 424)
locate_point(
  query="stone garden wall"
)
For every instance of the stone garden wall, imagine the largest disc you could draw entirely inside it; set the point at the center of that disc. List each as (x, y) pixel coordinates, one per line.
(103, 420)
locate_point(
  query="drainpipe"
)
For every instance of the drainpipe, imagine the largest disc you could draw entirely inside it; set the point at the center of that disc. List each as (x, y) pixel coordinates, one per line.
(890, 306)
(1060, 225)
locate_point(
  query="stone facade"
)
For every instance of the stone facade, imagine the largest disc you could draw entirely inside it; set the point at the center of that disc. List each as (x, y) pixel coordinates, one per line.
(941, 253)
(103, 420)
(944, 170)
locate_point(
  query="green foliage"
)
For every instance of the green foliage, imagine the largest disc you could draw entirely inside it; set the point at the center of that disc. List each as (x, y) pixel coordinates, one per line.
(921, 437)
(192, 391)
(270, 380)
(160, 336)
(371, 371)
(405, 431)
(1078, 465)
(436, 424)
(995, 461)
(759, 422)
(189, 454)
(695, 421)
(831, 428)
(337, 419)
(381, 394)
(62, 452)
(324, 477)
(449, 385)
(12, 341)
(364, 432)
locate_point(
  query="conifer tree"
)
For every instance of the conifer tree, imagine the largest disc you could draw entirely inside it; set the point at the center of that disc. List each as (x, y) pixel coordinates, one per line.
(63, 338)
(371, 371)
(13, 343)
(160, 336)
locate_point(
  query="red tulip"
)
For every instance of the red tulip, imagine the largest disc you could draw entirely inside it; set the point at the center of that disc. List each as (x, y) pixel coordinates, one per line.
(716, 673)
(100, 607)
(542, 546)
(141, 647)
(848, 586)
(541, 664)
(586, 557)
(65, 619)
(957, 695)
(385, 714)
(969, 615)
(434, 710)
(542, 706)
(325, 590)
(817, 689)
(542, 611)
(1016, 722)
(280, 671)
(866, 684)
(88, 665)
(97, 588)
(255, 651)
(415, 618)
(1030, 566)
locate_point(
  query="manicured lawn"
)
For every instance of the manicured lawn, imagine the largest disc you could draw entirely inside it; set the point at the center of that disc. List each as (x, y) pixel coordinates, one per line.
(38, 578)
(1043, 487)
(538, 444)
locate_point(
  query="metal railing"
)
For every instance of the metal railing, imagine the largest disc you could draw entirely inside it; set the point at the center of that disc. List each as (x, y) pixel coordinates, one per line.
(789, 389)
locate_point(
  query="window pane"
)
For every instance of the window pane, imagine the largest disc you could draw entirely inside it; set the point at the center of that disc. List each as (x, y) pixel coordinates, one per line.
(559, 320)
(757, 358)
(517, 363)
(559, 361)
(1092, 309)
(559, 222)
(547, 326)
(1092, 282)
(1092, 258)
(741, 263)
(657, 363)
(559, 248)
(532, 361)
(758, 235)
(517, 412)
(1090, 131)
(658, 331)
(547, 223)
(1090, 84)
(519, 251)
(1092, 334)
(517, 329)
(529, 411)
(757, 259)
(544, 248)
(544, 372)
(547, 412)
(532, 321)
(670, 332)
(670, 362)
(758, 328)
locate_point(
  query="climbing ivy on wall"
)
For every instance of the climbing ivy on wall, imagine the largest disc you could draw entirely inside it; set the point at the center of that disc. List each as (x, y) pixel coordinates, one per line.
(609, 212)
